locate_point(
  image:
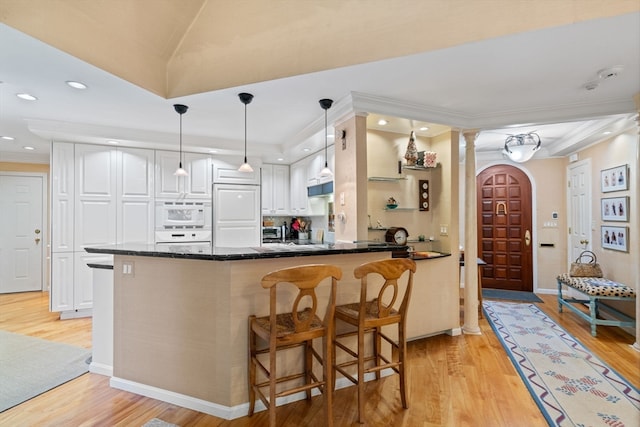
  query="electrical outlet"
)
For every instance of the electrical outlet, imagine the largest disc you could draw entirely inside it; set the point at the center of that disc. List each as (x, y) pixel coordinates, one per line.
(444, 230)
(127, 268)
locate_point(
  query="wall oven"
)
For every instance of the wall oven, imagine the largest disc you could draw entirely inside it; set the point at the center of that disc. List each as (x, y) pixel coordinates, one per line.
(183, 215)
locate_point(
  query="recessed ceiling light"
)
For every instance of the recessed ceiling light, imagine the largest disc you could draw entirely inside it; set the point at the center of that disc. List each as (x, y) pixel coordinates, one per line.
(305, 149)
(26, 96)
(280, 159)
(76, 85)
(423, 128)
(382, 122)
(7, 138)
(28, 148)
(606, 132)
(111, 141)
(213, 151)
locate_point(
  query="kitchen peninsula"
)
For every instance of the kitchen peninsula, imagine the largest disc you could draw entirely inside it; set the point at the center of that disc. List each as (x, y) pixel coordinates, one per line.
(180, 313)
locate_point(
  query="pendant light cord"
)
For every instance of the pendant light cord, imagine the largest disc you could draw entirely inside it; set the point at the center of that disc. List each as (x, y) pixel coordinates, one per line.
(180, 163)
(245, 133)
(326, 164)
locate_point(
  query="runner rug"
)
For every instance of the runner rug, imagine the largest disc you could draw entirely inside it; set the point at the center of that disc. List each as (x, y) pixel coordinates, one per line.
(30, 366)
(570, 385)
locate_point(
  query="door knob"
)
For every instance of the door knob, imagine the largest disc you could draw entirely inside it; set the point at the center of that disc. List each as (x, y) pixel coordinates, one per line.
(527, 238)
(37, 231)
(37, 240)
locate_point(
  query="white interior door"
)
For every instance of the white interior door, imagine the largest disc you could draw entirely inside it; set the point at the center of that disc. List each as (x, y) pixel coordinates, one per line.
(21, 233)
(579, 210)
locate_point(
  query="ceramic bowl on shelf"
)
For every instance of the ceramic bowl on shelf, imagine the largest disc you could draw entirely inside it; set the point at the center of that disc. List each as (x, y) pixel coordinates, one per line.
(392, 205)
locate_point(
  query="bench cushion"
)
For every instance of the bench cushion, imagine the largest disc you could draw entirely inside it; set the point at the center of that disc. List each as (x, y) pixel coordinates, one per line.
(596, 286)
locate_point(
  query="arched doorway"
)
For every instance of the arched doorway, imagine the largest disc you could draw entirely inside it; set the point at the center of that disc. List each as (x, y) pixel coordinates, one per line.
(505, 228)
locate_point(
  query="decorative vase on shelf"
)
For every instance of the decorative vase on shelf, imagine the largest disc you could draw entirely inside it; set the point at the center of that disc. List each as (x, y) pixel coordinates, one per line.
(411, 155)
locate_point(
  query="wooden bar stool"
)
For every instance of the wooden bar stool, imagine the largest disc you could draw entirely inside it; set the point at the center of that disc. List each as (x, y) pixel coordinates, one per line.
(297, 327)
(369, 316)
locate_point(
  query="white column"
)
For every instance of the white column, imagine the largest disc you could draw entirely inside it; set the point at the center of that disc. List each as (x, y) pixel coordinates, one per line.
(470, 237)
(635, 248)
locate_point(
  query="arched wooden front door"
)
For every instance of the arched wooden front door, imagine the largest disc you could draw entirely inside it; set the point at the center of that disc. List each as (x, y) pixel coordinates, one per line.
(504, 228)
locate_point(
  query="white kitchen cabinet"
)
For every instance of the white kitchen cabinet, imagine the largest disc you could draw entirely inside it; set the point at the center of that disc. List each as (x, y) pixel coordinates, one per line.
(225, 171)
(299, 177)
(197, 185)
(236, 215)
(135, 196)
(95, 196)
(62, 196)
(275, 189)
(315, 165)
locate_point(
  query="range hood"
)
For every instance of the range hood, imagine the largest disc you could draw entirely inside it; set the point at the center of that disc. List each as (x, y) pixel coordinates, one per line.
(317, 190)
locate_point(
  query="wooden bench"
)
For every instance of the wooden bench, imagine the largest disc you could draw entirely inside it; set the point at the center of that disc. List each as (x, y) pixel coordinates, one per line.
(596, 289)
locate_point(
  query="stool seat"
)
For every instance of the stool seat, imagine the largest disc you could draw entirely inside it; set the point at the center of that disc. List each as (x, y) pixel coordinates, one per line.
(371, 312)
(285, 325)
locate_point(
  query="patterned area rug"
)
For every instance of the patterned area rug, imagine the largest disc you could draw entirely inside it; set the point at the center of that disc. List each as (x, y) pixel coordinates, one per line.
(571, 386)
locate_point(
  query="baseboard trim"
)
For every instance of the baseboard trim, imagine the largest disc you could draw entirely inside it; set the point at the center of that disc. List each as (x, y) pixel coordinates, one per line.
(217, 410)
(101, 369)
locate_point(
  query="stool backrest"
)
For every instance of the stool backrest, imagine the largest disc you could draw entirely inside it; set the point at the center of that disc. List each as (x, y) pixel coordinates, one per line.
(391, 270)
(306, 278)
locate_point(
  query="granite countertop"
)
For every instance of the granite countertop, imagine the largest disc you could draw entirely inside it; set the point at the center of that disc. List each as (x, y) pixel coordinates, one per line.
(265, 251)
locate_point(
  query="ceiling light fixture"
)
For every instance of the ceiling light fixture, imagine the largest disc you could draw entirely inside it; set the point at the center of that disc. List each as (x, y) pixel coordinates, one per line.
(29, 148)
(325, 104)
(26, 96)
(423, 128)
(7, 138)
(382, 122)
(180, 109)
(76, 85)
(245, 98)
(523, 146)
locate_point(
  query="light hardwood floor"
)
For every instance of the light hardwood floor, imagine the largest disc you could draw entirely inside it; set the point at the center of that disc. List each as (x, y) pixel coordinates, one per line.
(454, 381)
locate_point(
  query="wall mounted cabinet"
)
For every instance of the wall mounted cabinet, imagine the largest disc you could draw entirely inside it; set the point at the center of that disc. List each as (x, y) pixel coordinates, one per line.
(275, 189)
(197, 185)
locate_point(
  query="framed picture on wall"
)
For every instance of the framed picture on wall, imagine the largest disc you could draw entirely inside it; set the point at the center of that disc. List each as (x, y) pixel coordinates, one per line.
(614, 179)
(615, 208)
(615, 238)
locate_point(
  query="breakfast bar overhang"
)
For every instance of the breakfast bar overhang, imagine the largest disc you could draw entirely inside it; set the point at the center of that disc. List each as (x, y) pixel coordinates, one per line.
(180, 314)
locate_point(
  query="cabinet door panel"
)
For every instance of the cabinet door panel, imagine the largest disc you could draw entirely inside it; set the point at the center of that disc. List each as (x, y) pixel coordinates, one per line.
(236, 215)
(136, 170)
(135, 207)
(167, 184)
(299, 188)
(199, 179)
(95, 223)
(95, 171)
(62, 196)
(280, 189)
(226, 172)
(83, 278)
(61, 296)
(266, 188)
(136, 221)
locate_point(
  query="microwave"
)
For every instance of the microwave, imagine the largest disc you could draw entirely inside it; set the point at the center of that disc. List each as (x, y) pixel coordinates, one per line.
(183, 215)
(272, 232)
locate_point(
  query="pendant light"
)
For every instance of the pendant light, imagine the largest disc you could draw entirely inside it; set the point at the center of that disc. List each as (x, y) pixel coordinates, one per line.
(245, 98)
(180, 109)
(325, 104)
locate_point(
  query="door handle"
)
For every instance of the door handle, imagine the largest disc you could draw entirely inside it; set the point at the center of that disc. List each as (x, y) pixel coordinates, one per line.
(527, 238)
(584, 242)
(37, 240)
